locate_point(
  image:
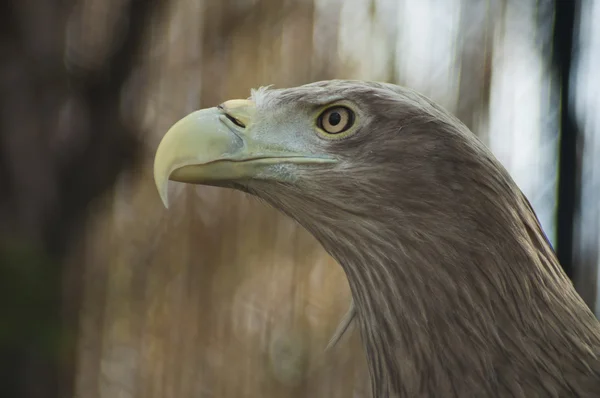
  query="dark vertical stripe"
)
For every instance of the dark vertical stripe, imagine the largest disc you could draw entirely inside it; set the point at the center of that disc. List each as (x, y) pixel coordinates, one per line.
(568, 173)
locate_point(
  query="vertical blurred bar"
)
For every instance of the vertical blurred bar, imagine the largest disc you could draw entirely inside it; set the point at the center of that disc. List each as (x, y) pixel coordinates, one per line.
(585, 88)
(568, 180)
(523, 112)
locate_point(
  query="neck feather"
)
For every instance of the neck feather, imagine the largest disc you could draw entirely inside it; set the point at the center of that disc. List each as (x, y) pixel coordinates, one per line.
(460, 300)
(475, 308)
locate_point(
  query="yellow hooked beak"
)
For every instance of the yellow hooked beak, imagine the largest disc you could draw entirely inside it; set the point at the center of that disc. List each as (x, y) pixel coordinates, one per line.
(218, 145)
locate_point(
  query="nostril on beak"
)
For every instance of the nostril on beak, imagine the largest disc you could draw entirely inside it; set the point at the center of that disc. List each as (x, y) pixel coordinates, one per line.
(235, 121)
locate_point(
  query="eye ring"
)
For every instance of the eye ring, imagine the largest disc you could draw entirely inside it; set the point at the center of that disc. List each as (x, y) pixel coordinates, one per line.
(336, 120)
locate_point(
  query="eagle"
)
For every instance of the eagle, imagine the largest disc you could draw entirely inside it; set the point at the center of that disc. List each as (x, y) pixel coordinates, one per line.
(455, 288)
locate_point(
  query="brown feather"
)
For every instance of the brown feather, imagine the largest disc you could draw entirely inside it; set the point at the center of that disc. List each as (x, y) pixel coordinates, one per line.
(457, 290)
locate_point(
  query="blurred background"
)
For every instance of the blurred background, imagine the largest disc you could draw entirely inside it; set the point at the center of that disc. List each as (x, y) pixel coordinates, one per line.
(104, 293)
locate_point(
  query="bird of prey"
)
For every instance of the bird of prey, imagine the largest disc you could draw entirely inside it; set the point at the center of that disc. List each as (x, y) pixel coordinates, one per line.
(456, 290)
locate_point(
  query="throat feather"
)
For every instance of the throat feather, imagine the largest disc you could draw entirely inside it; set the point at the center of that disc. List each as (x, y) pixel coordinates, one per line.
(438, 315)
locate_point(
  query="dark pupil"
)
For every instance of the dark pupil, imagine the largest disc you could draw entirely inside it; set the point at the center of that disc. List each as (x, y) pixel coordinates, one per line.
(335, 118)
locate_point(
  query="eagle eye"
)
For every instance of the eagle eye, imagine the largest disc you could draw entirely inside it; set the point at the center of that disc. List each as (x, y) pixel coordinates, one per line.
(336, 120)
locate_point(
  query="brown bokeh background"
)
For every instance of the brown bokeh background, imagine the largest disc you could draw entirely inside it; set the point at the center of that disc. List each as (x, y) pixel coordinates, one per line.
(107, 294)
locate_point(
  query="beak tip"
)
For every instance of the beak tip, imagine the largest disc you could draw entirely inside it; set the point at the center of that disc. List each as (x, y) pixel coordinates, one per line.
(164, 196)
(162, 186)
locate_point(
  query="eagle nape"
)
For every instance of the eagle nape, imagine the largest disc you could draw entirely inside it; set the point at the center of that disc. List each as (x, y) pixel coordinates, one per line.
(455, 289)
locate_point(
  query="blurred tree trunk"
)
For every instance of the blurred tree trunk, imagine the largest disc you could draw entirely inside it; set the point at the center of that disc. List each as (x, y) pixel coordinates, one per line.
(475, 52)
(63, 141)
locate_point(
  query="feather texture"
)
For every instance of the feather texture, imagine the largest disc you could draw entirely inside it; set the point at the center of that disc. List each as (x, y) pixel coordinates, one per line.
(343, 326)
(456, 289)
